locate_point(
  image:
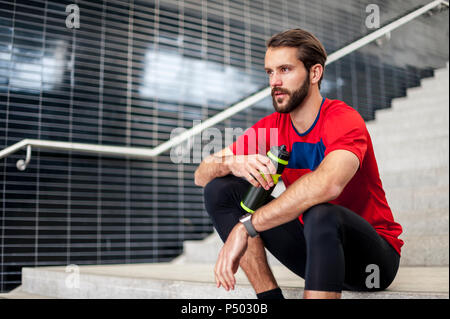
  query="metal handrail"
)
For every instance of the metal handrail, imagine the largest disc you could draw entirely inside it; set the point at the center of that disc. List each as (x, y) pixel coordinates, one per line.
(134, 152)
(145, 153)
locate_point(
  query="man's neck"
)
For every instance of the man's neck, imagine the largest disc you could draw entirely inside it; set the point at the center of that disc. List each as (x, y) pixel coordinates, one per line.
(305, 115)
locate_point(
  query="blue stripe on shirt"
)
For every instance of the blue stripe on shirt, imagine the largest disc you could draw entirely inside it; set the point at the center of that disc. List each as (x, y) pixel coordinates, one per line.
(306, 155)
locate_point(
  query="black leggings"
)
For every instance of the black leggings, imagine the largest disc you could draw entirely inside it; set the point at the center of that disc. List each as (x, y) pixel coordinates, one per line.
(335, 249)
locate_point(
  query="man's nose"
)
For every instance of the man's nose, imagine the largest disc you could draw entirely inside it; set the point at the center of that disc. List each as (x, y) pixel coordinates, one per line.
(275, 80)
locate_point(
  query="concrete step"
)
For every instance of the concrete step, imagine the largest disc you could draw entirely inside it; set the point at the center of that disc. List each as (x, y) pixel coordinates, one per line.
(433, 91)
(399, 130)
(418, 199)
(440, 81)
(402, 106)
(397, 125)
(441, 74)
(417, 177)
(398, 145)
(408, 110)
(423, 103)
(381, 137)
(444, 71)
(196, 281)
(416, 156)
(207, 250)
(19, 294)
(200, 251)
(425, 154)
(423, 223)
(425, 250)
(407, 163)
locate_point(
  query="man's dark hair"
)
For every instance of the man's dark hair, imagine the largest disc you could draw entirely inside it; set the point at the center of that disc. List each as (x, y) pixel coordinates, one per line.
(310, 49)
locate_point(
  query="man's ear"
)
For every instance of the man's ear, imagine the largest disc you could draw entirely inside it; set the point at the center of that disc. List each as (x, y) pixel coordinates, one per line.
(315, 73)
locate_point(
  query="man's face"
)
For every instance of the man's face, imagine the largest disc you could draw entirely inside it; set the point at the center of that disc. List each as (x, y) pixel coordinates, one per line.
(288, 78)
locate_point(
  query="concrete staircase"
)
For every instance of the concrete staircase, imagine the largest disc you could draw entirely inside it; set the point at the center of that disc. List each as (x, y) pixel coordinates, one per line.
(411, 142)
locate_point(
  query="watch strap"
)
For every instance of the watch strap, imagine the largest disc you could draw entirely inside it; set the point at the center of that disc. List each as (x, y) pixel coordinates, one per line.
(247, 221)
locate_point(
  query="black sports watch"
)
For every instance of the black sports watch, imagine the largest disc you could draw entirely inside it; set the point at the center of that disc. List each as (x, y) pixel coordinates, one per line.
(247, 221)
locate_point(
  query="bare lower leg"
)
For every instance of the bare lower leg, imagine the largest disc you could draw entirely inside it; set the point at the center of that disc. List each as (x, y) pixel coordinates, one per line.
(314, 294)
(255, 266)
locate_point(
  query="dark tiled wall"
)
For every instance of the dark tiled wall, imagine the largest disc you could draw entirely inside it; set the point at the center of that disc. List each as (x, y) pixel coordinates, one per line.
(133, 72)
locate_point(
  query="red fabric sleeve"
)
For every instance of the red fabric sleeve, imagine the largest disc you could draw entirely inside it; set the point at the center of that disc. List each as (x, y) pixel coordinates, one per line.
(346, 130)
(257, 139)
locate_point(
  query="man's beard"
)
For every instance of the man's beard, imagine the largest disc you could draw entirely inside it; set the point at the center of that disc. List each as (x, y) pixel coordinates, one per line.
(295, 98)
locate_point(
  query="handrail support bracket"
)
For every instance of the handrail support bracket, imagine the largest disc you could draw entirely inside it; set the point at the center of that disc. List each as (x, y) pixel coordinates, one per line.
(22, 164)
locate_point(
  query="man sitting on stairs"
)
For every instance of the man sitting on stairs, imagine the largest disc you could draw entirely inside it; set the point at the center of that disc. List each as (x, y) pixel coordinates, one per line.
(332, 226)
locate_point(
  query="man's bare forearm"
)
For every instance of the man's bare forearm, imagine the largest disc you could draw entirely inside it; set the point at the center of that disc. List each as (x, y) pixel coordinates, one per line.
(320, 186)
(255, 266)
(301, 195)
(215, 165)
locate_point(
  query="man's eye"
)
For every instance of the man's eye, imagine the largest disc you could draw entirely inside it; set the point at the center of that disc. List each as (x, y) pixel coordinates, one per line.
(285, 69)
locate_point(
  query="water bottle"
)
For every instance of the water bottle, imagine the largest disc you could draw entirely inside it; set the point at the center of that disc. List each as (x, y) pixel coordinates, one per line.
(257, 196)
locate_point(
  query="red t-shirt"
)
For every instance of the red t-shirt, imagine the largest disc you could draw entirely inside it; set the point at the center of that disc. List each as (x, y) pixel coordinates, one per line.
(337, 127)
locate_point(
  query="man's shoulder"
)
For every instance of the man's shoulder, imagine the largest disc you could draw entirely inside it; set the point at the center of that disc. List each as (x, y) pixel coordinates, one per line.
(339, 110)
(338, 106)
(272, 120)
